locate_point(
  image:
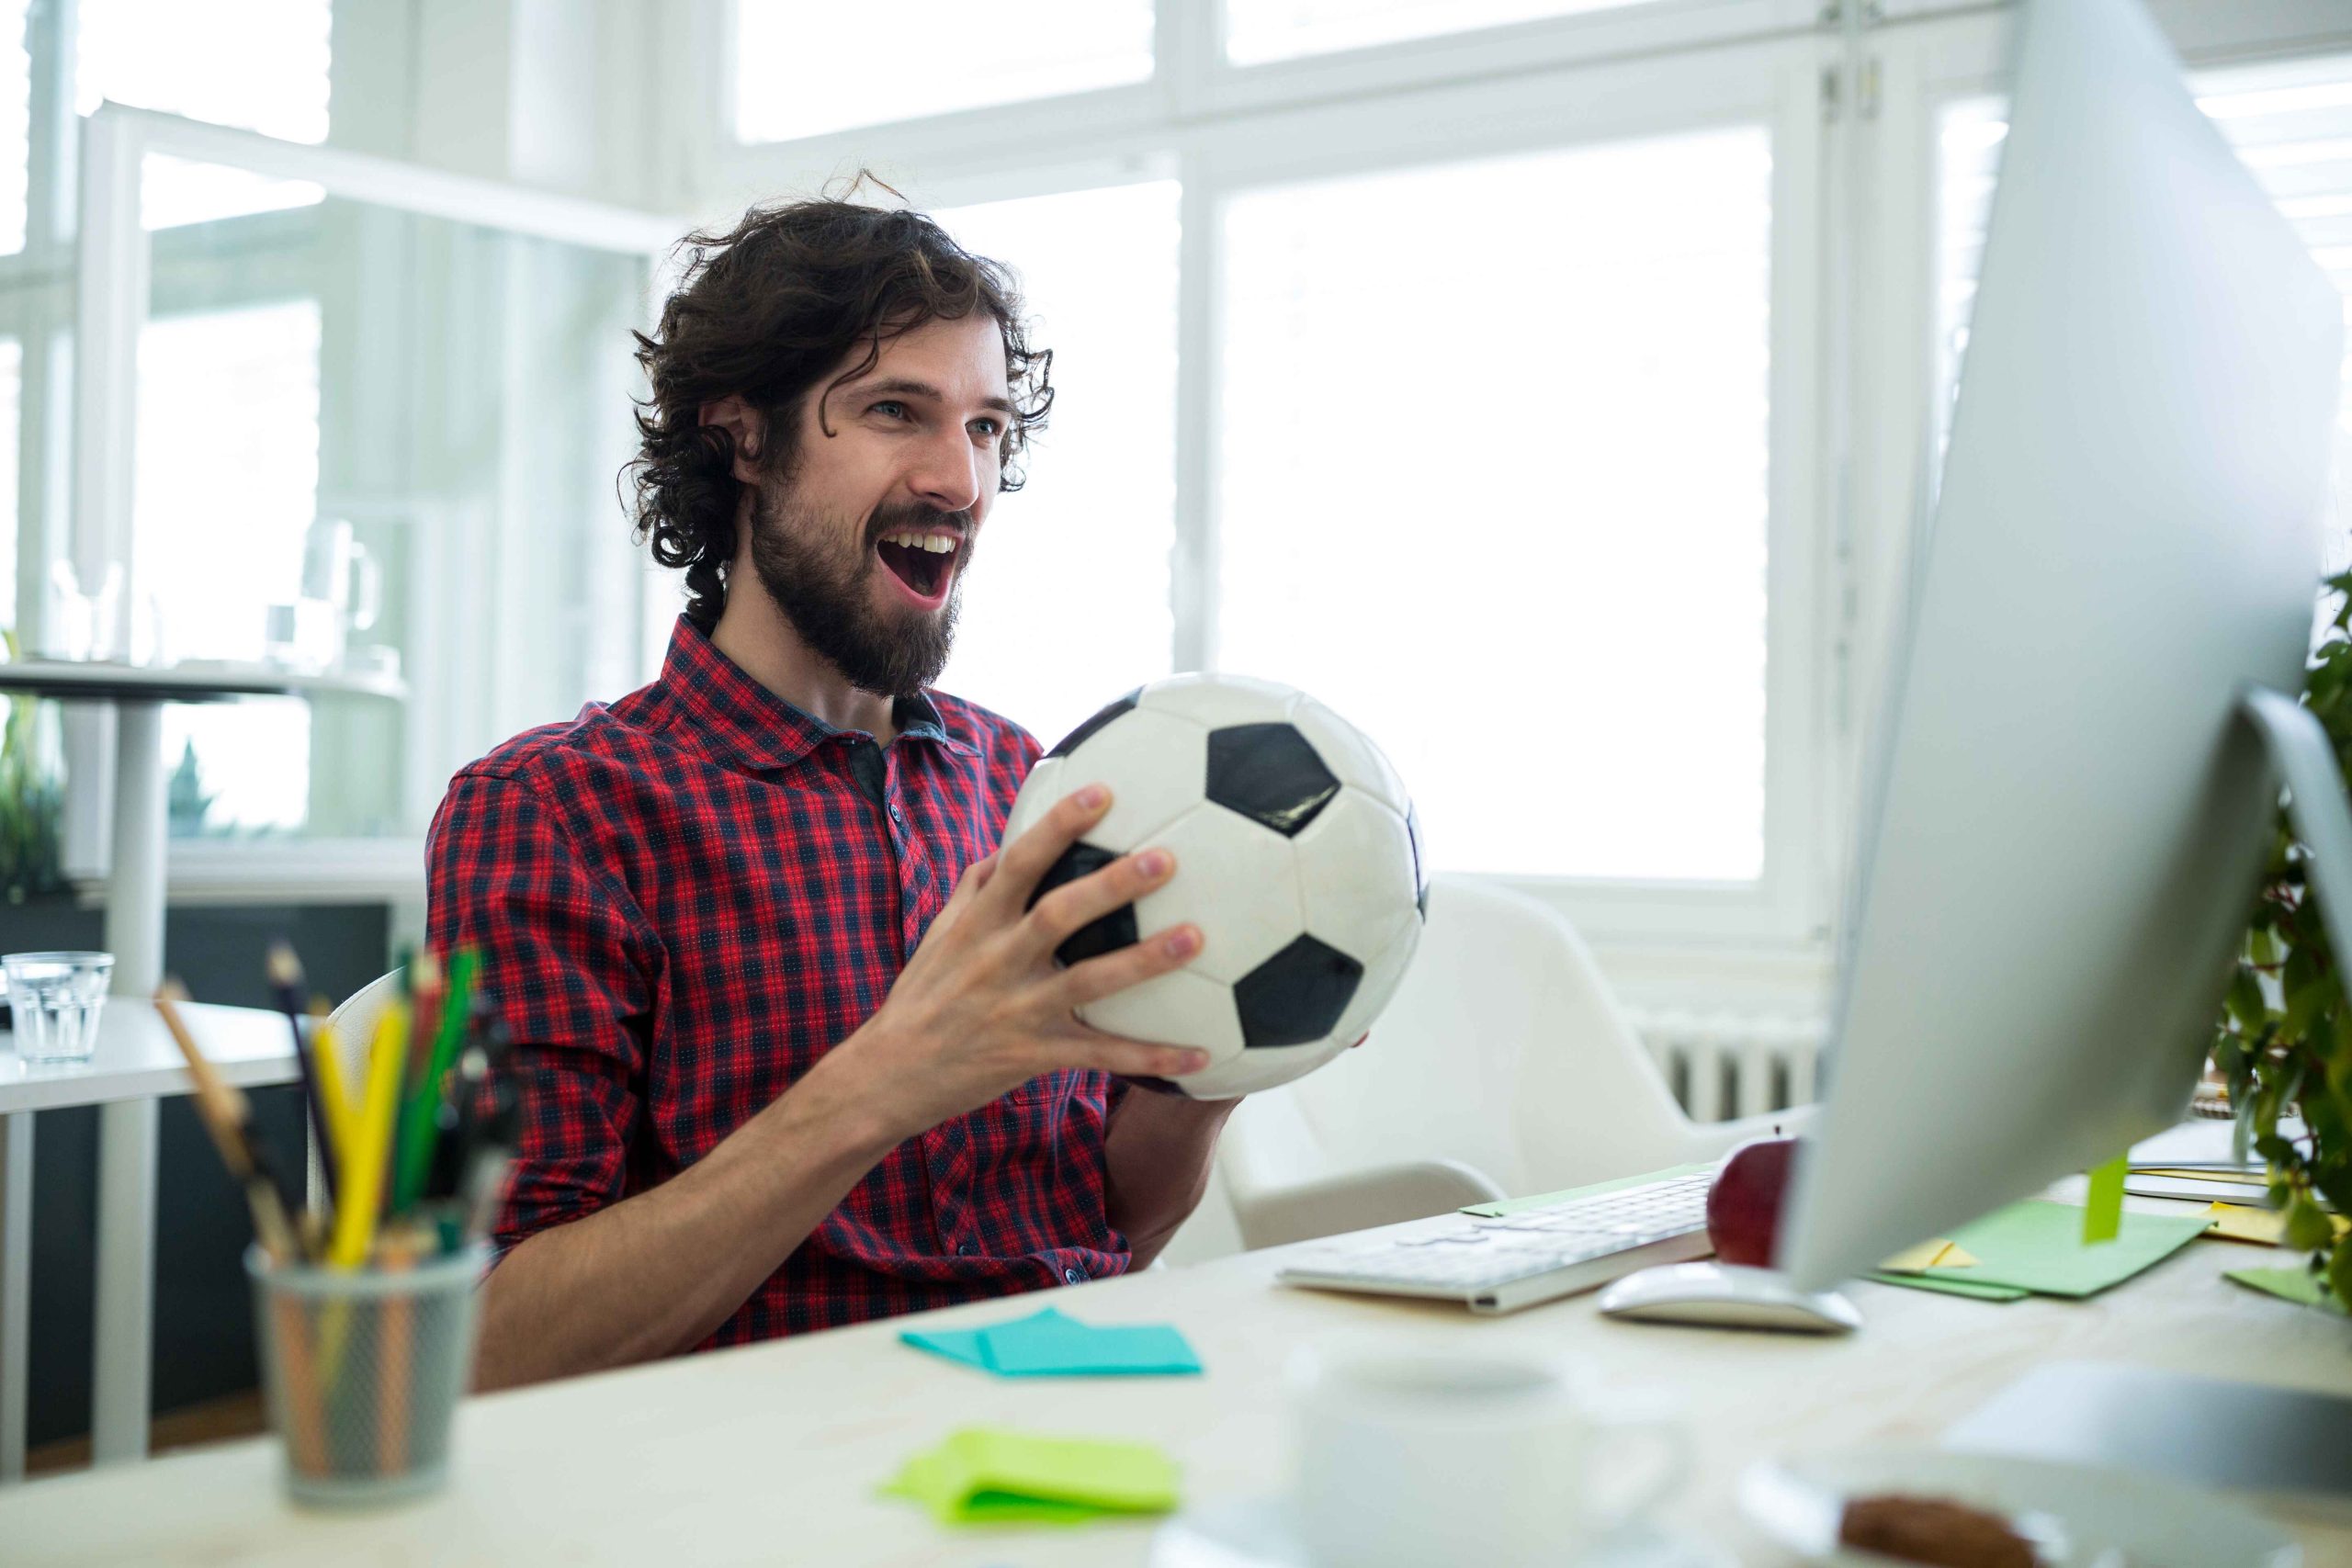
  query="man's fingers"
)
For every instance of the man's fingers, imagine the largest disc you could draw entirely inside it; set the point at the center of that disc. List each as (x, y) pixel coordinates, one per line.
(1131, 965)
(1141, 1060)
(1023, 861)
(969, 888)
(1075, 904)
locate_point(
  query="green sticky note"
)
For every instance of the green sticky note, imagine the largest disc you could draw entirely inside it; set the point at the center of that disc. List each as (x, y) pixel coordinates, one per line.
(2037, 1246)
(2298, 1285)
(1046, 1344)
(2103, 1210)
(1495, 1211)
(1976, 1290)
(990, 1476)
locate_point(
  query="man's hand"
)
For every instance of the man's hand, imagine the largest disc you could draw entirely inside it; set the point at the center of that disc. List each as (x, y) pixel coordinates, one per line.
(982, 1006)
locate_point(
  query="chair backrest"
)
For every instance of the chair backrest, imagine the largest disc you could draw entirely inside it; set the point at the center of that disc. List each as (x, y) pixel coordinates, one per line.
(1505, 1049)
(355, 1025)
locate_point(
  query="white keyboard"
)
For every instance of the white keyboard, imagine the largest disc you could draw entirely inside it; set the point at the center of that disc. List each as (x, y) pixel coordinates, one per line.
(1516, 1260)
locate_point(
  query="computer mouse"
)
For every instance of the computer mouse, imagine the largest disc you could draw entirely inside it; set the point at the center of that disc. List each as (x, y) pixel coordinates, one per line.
(1723, 1295)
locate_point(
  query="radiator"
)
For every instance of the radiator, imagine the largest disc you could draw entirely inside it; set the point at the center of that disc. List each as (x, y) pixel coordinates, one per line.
(1722, 1065)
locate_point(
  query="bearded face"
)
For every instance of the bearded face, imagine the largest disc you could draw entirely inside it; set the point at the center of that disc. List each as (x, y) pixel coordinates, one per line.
(877, 600)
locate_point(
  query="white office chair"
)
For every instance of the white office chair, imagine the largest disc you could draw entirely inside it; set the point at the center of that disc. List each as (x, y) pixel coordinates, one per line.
(1503, 1065)
(355, 1022)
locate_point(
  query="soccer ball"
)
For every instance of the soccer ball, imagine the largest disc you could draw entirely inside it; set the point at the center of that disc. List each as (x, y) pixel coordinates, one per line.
(1298, 855)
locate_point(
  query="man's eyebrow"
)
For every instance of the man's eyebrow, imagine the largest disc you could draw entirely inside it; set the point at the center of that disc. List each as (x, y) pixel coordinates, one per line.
(900, 387)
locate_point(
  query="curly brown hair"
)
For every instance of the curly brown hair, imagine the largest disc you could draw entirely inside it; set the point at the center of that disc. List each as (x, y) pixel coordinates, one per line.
(764, 311)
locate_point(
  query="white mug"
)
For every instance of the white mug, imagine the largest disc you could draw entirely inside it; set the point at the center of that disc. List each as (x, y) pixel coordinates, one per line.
(1410, 1458)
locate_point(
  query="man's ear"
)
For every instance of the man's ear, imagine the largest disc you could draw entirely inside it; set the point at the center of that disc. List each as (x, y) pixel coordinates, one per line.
(743, 422)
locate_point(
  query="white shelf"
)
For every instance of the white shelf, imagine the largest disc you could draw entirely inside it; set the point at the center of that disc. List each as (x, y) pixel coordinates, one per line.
(188, 682)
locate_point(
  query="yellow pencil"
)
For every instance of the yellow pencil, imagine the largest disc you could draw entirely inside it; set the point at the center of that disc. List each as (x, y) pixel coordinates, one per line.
(328, 1061)
(362, 1185)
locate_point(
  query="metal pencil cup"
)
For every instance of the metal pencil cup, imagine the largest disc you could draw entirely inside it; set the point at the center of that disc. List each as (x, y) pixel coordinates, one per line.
(364, 1371)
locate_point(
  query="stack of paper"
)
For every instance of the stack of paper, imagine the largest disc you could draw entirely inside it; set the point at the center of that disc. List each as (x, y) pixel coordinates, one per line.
(1046, 1344)
(2036, 1247)
(988, 1476)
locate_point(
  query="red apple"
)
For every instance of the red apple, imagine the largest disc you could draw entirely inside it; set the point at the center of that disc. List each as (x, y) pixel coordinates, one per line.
(1744, 1205)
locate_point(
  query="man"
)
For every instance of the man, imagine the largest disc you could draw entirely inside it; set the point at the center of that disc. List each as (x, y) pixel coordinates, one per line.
(775, 1075)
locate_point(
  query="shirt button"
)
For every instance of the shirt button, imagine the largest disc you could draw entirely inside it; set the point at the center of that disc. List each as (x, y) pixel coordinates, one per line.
(895, 816)
(964, 1250)
(1074, 1275)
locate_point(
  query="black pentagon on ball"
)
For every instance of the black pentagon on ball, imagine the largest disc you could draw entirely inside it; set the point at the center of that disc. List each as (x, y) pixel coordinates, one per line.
(1297, 995)
(1102, 716)
(1270, 773)
(1108, 934)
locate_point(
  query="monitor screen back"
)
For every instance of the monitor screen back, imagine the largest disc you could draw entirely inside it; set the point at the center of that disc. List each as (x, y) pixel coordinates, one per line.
(2069, 821)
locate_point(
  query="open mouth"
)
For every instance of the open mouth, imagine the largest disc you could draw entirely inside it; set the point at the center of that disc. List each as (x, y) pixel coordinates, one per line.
(922, 558)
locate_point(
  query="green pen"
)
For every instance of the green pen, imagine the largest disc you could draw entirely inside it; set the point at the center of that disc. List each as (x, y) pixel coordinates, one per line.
(420, 1119)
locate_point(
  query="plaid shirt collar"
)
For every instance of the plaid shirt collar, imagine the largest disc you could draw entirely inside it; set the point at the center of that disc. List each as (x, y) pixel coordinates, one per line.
(732, 716)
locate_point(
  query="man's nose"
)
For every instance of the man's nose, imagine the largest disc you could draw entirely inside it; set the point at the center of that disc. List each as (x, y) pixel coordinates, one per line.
(947, 472)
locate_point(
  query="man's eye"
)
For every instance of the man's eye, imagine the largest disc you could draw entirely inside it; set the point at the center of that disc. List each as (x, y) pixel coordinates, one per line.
(989, 427)
(888, 404)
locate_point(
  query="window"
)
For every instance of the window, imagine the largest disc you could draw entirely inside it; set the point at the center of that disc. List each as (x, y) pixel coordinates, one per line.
(1068, 604)
(793, 62)
(267, 72)
(1259, 30)
(1483, 535)
(2292, 124)
(226, 481)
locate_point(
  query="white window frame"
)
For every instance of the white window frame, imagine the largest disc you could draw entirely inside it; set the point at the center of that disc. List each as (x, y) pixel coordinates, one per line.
(113, 267)
(1220, 130)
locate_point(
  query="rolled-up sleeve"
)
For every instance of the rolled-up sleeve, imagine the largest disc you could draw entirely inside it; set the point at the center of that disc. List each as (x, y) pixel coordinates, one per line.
(572, 968)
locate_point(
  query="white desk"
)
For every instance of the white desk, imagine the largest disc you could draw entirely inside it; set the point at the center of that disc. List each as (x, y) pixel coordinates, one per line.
(134, 934)
(771, 1453)
(135, 1064)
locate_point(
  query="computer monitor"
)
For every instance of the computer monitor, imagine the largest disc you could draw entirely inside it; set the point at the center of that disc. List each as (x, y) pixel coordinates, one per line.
(2069, 814)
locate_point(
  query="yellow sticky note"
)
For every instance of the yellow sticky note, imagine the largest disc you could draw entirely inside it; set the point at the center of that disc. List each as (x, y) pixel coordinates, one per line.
(2264, 1227)
(1929, 1254)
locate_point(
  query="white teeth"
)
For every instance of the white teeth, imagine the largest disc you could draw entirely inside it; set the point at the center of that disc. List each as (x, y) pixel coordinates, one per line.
(932, 544)
(939, 544)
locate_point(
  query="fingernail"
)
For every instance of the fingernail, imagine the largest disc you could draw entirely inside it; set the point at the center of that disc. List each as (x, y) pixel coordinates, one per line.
(1184, 941)
(1092, 797)
(1152, 862)
(1195, 1061)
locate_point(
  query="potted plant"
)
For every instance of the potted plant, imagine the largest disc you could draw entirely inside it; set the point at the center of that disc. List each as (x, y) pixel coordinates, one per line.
(2285, 1039)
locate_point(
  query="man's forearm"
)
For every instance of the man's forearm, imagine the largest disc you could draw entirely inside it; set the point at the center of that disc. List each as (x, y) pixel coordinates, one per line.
(656, 1273)
(1156, 1154)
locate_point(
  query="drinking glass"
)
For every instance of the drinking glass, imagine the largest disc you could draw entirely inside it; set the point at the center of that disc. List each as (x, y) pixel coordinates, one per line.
(56, 998)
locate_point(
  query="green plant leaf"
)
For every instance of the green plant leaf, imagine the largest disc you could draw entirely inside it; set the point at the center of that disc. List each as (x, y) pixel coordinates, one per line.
(2245, 1003)
(2308, 1229)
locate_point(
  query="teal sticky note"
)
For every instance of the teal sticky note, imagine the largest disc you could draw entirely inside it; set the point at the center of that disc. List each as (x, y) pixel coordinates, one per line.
(1046, 1344)
(956, 1343)
(1049, 1344)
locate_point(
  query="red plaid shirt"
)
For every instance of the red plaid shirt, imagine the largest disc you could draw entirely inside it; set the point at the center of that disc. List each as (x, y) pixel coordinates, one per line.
(684, 899)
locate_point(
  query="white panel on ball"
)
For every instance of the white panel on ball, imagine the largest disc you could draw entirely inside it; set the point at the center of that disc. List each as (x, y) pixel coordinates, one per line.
(1215, 701)
(1263, 1068)
(1175, 1008)
(1235, 879)
(1157, 766)
(1382, 976)
(1040, 793)
(1348, 752)
(1355, 873)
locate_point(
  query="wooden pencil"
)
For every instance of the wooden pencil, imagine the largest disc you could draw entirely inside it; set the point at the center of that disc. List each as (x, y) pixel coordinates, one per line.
(228, 1117)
